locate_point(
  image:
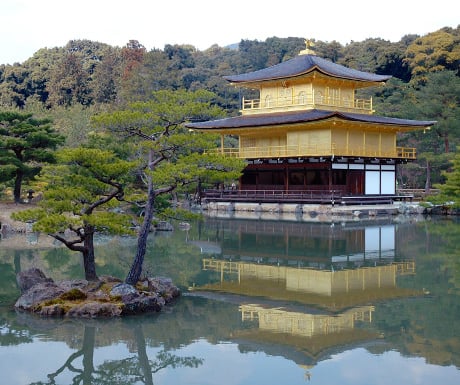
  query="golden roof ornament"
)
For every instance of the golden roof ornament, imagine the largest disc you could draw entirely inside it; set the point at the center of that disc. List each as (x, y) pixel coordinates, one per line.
(309, 44)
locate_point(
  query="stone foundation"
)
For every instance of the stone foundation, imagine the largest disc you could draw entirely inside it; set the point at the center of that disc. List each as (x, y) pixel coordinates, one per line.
(306, 211)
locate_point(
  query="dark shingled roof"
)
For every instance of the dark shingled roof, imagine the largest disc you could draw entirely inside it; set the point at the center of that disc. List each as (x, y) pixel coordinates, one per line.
(304, 64)
(273, 119)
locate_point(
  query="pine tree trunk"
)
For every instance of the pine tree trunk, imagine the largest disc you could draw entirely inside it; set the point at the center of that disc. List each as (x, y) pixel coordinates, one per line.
(89, 261)
(446, 143)
(17, 186)
(144, 362)
(88, 355)
(136, 267)
(428, 177)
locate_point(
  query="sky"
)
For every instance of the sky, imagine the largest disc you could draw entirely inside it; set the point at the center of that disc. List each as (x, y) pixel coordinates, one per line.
(28, 25)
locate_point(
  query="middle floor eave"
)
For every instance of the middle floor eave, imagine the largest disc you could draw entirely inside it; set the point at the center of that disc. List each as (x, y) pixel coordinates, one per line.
(235, 124)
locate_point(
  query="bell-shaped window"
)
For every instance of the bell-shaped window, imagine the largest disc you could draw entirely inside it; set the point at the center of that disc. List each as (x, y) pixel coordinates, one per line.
(302, 97)
(268, 101)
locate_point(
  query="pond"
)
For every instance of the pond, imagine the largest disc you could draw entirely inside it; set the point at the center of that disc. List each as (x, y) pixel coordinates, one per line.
(264, 302)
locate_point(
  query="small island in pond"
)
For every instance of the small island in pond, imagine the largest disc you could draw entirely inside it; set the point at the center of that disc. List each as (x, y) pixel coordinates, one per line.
(106, 297)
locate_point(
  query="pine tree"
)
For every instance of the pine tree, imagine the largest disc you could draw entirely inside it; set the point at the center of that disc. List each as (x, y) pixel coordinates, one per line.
(450, 191)
(26, 144)
(174, 158)
(82, 193)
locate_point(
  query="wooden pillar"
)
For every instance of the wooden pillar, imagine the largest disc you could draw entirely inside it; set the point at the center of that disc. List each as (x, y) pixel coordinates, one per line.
(364, 144)
(330, 176)
(347, 144)
(286, 177)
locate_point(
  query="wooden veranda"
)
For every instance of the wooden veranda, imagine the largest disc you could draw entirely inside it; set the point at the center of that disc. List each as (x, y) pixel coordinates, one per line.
(298, 197)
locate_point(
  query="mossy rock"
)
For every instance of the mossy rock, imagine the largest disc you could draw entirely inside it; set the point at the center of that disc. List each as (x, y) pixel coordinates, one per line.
(73, 295)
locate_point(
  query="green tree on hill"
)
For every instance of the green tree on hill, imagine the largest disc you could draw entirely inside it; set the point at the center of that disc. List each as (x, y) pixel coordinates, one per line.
(434, 52)
(450, 190)
(436, 99)
(26, 144)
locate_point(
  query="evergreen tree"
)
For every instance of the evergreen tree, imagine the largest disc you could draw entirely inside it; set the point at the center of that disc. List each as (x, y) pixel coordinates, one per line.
(26, 144)
(80, 198)
(450, 191)
(174, 158)
(436, 51)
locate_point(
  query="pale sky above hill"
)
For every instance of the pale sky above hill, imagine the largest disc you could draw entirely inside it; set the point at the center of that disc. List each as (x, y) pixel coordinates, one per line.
(28, 25)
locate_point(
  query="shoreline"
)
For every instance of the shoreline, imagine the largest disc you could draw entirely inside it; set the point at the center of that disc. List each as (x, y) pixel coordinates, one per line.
(6, 210)
(270, 211)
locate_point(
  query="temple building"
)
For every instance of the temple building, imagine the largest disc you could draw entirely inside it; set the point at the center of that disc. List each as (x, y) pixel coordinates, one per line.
(309, 136)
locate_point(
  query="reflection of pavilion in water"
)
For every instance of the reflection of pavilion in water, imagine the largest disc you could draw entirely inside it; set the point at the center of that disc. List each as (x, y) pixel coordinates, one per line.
(330, 266)
(315, 285)
(314, 311)
(330, 289)
(302, 324)
(308, 260)
(312, 334)
(317, 245)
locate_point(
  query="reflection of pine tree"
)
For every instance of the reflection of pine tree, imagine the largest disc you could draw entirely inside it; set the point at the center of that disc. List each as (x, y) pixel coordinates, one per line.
(447, 257)
(126, 371)
(141, 368)
(84, 376)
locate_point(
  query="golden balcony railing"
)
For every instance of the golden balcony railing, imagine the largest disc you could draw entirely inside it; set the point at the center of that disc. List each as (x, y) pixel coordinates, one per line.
(316, 150)
(306, 102)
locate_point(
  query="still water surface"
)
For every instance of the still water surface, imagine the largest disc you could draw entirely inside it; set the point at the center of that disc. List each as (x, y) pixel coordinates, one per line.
(264, 302)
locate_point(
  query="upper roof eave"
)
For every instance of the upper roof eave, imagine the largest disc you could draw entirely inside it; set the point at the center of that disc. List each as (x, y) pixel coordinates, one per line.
(302, 65)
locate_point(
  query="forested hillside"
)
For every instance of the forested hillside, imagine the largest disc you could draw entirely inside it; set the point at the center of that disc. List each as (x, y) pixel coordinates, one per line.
(70, 84)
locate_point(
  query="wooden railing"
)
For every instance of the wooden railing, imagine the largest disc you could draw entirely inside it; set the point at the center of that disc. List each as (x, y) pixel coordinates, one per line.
(248, 195)
(417, 193)
(300, 102)
(315, 150)
(334, 196)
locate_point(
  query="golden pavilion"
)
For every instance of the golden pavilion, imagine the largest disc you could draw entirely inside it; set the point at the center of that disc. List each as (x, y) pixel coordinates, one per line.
(308, 137)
